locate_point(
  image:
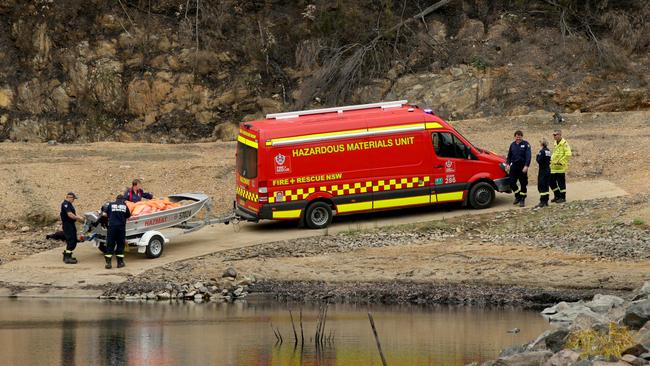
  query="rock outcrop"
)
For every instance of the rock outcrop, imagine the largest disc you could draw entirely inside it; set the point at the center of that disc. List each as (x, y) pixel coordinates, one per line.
(74, 70)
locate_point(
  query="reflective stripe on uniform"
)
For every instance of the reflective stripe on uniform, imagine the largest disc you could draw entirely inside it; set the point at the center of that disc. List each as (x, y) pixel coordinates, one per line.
(119, 255)
(108, 255)
(544, 194)
(522, 193)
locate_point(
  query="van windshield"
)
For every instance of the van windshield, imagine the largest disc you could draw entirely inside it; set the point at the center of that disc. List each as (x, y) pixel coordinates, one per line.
(246, 161)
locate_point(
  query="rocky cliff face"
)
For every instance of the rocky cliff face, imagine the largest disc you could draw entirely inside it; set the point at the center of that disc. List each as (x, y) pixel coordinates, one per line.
(181, 70)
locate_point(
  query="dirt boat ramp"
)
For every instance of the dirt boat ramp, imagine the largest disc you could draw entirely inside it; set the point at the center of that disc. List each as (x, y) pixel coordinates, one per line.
(44, 274)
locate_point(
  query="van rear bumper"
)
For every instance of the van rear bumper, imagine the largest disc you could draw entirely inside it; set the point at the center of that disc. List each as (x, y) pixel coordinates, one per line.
(275, 211)
(503, 185)
(246, 214)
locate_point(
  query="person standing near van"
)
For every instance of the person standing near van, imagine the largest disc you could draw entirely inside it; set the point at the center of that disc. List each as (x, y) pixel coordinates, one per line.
(544, 175)
(68, 219)
(118, 213)
(559, 166)
(136, 193)
(517, 164)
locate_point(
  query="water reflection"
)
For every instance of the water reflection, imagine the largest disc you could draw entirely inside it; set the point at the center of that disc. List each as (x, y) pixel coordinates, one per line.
(68, 342)
(69, 332)
(112, 342)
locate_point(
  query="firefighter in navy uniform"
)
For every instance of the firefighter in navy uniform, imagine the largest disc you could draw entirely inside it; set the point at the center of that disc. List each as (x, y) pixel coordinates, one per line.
(544, 175)
(517, 164)
(118, 213)
(68, 218)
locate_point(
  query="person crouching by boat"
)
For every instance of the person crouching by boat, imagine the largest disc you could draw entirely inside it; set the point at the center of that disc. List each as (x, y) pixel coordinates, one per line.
(136, 193)
(118, 213)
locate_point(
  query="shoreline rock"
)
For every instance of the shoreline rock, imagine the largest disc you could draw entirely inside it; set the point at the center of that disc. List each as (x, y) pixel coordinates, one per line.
(622, 326)
(224, 290)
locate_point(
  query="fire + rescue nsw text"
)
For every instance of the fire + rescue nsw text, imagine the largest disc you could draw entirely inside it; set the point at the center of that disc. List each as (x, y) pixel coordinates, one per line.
(308, 179)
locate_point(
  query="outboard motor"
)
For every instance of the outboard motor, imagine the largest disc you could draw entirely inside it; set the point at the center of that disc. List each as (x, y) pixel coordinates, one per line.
(92, 220)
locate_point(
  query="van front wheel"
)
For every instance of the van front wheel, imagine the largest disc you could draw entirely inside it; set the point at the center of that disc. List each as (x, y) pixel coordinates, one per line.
(318, 215)
(481, 195)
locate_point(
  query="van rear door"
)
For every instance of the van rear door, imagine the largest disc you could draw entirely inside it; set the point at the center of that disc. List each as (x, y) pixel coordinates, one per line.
(247, 171)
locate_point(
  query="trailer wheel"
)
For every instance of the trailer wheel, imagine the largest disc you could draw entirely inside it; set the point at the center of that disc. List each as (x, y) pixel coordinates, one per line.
(481, 195)
(155, 247)
(318, 215)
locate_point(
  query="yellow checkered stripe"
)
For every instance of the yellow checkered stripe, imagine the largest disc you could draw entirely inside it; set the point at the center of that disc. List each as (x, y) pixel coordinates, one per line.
(250, 196)
(380, 185)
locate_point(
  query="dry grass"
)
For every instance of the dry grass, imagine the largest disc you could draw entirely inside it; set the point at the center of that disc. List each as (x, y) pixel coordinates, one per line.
(590, 342)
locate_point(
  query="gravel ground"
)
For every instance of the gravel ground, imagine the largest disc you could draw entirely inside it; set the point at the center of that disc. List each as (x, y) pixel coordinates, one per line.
(596, 227)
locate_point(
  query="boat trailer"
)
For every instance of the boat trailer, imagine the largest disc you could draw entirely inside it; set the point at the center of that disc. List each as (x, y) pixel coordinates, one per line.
(145, 233)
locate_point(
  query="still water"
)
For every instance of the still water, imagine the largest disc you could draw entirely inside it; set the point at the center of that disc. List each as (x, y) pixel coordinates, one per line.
(90, 332)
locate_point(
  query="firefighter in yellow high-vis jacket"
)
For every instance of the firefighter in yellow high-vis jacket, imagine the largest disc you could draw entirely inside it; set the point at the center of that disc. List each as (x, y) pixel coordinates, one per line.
(559, 164)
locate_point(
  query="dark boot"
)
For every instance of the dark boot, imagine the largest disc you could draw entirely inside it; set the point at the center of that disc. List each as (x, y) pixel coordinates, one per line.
(108, 263)
(516, 201)
(522, 203)
(542, 204)
(120, 262)
(67, 258)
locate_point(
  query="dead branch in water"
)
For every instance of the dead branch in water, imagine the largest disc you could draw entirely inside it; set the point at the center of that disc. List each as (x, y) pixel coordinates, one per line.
(278, 335)
(302, 333)
(374, 331)
(295, 335)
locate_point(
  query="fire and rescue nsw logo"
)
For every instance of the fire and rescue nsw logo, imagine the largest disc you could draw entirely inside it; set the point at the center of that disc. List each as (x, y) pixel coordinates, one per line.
(282, 164)
(450, 167)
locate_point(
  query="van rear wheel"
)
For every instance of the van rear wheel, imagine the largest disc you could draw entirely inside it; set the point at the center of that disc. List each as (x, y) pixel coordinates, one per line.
(481, 195)
(318, 215)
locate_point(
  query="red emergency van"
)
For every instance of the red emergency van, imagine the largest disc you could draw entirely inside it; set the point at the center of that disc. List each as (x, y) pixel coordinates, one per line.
(312, 165)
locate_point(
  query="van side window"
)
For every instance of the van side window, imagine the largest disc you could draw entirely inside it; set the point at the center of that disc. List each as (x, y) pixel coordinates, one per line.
(447, 145)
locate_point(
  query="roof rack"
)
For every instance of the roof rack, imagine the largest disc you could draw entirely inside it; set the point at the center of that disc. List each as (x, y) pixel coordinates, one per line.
(383, 105)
